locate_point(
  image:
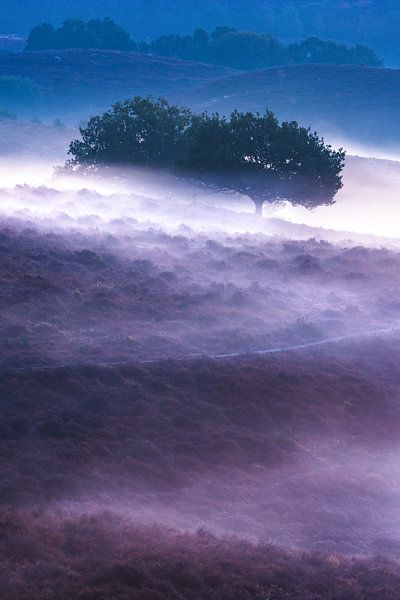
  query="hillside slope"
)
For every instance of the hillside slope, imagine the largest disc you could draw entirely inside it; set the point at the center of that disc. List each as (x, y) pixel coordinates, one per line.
(347, 103)
(126, 427)
(82, 82)
(358, 102)
(103, 401)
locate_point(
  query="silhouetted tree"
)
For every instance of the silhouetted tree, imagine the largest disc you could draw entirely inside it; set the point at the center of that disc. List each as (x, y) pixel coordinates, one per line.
(248, 153)
(219, 32)
(41, 37)
(134, 132)
(74, 33)
(225, 45)
(256, 156)
(316, 51)
(249, 50)
(375, 22)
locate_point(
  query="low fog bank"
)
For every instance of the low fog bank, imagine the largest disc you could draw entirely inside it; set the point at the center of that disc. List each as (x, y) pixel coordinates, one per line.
(24, 143)
(141, 293)
(368, 203)
(149, 267)
(116, 298)
(325, 496)
(366, 209)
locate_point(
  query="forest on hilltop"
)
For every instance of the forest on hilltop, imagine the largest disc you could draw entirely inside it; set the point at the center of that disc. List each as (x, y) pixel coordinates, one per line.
(225, 45)
(372, 22)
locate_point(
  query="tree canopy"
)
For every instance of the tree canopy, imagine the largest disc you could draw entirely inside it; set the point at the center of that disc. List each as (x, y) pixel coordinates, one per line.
(251, 154)
(135, 132)
(372, 22)
(249, 50)
(316, 51)
(224, 46)
(74, 33)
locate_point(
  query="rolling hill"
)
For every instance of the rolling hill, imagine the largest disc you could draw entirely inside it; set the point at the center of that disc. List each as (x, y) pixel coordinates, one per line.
(352, 102)
(81, 82)
(345, 103)
(176, 466)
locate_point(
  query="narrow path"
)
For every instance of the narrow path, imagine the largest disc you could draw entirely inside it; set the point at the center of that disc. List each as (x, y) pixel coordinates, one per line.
(188, 357)
(324, 342)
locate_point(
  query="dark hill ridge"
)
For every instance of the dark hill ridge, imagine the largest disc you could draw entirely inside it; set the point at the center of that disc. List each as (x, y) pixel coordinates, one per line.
(359, 101)
(83, 81)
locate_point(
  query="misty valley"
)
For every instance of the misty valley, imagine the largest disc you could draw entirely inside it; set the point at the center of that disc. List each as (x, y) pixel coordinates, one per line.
(200, 304)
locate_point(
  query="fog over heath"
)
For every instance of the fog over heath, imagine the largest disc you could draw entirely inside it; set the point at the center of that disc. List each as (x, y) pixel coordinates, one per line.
(199, 387)
(101, 254)
(171, 298)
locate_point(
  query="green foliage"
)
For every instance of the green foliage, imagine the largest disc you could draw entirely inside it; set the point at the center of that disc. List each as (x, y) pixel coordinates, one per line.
(248, 153)
(74, 33)
(316, 51)
(18, 92)
(256, 156)
(249, 50)
(137, 132)
(41, 37)
(224, 46)
(372, 22)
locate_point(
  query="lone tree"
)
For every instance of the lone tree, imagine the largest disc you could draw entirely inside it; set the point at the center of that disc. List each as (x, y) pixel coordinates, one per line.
(251, 154)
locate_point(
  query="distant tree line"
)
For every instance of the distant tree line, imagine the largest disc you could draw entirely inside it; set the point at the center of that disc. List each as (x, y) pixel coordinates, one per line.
(251, 154)
(249, 50)
(375, 23)
(74, 33)
(224, 46)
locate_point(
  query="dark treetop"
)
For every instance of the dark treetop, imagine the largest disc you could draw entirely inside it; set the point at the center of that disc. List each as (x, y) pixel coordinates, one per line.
(226, 46)
(247, 153)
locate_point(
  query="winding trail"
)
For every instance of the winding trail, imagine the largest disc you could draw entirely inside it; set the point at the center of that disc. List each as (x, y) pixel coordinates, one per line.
(323, 342)
(189, 357)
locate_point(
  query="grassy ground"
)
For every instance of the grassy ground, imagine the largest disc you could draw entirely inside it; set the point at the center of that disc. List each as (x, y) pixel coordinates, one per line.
(78, 83)
(355, 103)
